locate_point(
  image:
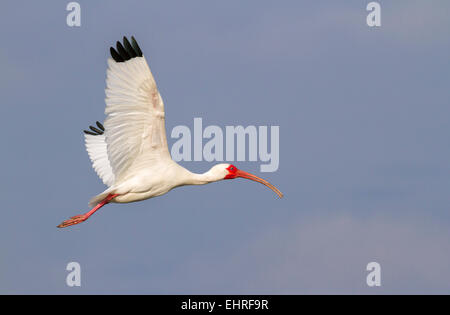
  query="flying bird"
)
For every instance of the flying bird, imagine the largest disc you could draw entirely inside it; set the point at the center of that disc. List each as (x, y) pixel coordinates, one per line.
(129, 151)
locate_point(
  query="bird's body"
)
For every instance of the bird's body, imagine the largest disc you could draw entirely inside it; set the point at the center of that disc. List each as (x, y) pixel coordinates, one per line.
(145, 184)
(129, 152)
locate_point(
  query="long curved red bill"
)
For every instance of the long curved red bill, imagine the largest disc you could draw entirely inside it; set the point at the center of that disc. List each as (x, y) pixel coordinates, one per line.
(243, 174)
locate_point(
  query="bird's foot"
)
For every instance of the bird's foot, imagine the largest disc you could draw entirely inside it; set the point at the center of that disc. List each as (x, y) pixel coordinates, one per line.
(73, 220)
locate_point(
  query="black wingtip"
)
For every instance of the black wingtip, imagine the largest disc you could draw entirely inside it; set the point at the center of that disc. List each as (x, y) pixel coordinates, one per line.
(129, 48)
(99, 125)
(90, 133)
(126, 51)
(136, 47)
(122, 52)
(115, 55)
(95, 131)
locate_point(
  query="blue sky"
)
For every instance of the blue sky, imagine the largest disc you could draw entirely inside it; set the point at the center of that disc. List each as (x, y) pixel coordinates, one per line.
(364, 149)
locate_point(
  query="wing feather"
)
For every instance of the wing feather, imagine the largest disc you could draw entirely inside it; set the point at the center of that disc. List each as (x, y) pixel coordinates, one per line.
(134, 127)
(96, 148)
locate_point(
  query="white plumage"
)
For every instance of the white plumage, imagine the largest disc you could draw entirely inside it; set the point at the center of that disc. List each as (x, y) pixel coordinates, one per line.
(96, 148)
(135, 130)
(135, 137)
(130, 152)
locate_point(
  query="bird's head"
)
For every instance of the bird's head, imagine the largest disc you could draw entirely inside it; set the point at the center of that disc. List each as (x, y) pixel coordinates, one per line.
(229, 171)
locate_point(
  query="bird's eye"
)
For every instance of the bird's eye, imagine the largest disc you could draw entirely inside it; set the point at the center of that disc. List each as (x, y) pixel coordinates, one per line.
(232, 168)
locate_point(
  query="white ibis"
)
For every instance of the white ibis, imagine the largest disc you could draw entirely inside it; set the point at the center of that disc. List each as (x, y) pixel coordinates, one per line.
(130, 152)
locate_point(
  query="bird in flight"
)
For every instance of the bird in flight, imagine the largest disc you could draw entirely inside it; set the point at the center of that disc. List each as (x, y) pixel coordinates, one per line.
(129, 151)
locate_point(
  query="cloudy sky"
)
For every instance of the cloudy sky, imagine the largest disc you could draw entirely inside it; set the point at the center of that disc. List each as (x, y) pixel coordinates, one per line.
(364, 148)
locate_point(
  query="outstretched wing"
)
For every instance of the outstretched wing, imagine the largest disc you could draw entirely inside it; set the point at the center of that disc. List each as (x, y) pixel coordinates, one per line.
(96, 147)
(134, 127)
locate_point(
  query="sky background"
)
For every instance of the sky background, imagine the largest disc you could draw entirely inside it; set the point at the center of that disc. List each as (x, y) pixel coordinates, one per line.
(364, 148)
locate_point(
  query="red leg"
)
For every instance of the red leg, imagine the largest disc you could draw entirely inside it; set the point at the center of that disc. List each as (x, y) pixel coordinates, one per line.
(81, 218)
